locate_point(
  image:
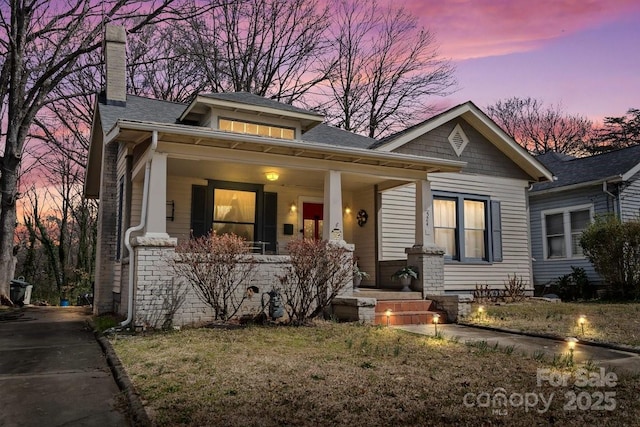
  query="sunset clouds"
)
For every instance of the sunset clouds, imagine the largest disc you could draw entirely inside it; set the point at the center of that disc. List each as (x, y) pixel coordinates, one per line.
(479, 28)
(582, 54)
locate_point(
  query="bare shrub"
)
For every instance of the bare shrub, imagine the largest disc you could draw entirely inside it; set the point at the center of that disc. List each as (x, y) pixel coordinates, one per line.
(318, 272)
(515, 288)
(217, 266)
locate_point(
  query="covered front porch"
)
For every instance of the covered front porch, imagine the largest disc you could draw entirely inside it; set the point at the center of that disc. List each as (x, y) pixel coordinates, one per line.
(195, 179)
(182, 181)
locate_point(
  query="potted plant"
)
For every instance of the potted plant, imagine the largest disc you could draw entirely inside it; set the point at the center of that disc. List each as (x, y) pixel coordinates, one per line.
(405, 275)
(358, 275)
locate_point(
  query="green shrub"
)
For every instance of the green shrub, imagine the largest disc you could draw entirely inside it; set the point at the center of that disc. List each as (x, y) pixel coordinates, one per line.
(613, 247)
(574, 286)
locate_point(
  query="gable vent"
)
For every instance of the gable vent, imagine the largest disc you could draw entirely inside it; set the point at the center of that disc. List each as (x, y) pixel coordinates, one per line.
(458, 140)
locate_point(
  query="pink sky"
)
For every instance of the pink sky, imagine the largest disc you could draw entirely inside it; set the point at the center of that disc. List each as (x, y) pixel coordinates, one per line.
(582, 54)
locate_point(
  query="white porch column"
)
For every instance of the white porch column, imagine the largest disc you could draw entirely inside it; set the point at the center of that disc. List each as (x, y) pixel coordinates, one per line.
(424, 214)
(156, 225)
(333, 228)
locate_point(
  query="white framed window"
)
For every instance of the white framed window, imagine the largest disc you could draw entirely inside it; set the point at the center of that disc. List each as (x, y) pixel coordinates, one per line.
(561, 231)
(468, 227)
(260, 129)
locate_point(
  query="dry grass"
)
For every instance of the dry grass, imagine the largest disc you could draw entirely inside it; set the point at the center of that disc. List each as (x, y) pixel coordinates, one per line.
(613, 323)
(341, 374)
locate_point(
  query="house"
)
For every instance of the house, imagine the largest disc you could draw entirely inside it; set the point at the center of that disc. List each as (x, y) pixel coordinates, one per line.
(480, 214)
(584, 187)
(272, 172)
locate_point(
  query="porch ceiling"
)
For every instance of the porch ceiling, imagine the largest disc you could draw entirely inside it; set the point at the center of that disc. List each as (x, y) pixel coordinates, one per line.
(249, 156)
(288, 177)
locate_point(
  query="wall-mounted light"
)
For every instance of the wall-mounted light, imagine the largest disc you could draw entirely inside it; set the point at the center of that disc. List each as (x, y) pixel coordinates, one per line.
(272, 176)
(293, 208)
(347, 210)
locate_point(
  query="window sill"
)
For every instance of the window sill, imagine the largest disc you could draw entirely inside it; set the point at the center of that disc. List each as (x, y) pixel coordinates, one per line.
(580, 258)
(466, 262)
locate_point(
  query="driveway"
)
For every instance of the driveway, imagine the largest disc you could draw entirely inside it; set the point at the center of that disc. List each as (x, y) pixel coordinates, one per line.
(53, 371)
(605, 357)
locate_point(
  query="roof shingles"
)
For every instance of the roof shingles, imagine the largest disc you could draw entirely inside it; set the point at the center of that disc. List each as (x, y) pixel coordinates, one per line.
(577, 170)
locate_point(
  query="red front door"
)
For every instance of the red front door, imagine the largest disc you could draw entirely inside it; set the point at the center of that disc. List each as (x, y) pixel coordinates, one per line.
(312, 220)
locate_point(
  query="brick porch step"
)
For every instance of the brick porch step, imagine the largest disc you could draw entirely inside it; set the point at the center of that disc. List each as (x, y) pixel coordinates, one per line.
(407, 312)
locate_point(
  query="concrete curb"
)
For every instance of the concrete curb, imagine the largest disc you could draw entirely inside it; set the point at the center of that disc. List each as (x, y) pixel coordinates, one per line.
(620, 347)
(136, 408)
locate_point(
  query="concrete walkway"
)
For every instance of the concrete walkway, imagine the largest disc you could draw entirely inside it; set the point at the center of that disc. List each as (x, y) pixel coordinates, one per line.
(53, 372)
(606, 357)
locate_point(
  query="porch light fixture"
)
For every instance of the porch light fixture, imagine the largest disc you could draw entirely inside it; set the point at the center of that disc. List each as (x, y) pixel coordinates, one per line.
(293, 208)
(347, 210)
(581, 321)
(272, 176)
(436, 318)
(571, 342)
(388, 313)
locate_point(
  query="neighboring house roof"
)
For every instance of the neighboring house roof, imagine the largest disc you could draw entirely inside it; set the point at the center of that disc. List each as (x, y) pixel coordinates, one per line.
(483, 124)
(617, 165)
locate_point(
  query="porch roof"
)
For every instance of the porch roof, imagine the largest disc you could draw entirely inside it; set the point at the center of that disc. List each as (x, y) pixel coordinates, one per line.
(186, 142)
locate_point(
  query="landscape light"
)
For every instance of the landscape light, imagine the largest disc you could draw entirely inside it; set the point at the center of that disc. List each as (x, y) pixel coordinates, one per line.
(388, 313)
(436, 317)
(582, 320)
(571, 341)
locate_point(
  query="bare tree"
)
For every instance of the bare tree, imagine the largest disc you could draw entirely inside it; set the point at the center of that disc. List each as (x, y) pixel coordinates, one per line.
(617, 132)
(267, 47)
(384, 69)
(540, 128)
(159, 66)
(41, 44)
(59, 218)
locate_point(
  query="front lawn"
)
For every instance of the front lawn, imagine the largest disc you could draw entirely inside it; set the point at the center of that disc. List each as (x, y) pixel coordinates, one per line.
(345, 374)
(605, 322)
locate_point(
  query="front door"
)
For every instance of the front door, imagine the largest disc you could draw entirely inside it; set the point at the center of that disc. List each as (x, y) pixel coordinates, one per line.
(312, 220)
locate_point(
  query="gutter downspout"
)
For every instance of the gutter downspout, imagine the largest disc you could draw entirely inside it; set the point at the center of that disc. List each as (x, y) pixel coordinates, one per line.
(614, 197)
(143, 223)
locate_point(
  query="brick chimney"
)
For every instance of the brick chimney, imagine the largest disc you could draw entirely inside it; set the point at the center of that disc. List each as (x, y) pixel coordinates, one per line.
(115, 58)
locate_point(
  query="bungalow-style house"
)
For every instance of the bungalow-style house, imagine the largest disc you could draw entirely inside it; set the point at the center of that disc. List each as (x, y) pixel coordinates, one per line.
(271, 172)
(583, 187)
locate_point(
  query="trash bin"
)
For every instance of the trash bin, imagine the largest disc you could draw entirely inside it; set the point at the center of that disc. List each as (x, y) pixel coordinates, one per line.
(17, 291)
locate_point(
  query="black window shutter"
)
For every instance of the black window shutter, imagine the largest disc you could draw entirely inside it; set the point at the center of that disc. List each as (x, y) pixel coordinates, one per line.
(199, 210)
(496, 231)
(270, 234)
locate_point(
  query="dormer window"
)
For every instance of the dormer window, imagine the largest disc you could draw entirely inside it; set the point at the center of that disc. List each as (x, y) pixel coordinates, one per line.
(260, 129)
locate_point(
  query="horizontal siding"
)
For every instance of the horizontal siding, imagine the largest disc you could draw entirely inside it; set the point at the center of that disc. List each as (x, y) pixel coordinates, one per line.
(398, 233)
(630, 199)
(397, 218)
(545, 271)
(179, 191)
(364, 237)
